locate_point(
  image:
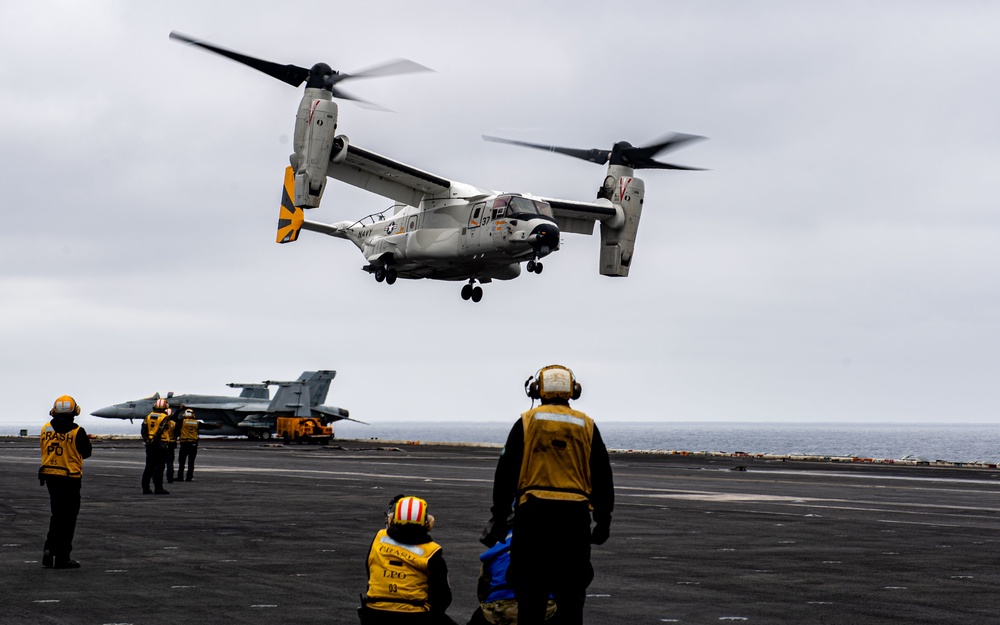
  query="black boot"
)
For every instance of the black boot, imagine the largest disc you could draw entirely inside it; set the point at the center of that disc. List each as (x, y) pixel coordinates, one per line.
(66, 564)
(47, 559)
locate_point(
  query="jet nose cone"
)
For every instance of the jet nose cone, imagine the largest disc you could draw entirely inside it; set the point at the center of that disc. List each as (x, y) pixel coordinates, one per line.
(111, 412)
(545, 238)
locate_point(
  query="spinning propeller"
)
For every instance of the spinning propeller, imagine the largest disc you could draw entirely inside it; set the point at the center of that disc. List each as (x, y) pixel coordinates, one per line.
(319, 76)
(623, 153)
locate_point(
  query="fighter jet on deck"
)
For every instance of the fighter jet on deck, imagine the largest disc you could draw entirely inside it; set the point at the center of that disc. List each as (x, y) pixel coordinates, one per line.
(253, 413)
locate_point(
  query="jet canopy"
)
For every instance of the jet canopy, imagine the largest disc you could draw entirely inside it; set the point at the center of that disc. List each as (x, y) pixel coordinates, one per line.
(519, 207)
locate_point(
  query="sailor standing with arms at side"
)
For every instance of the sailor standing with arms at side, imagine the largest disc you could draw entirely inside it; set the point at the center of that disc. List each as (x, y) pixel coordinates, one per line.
(64, 446)
(153, 427)
(556, 470)
(189, 435)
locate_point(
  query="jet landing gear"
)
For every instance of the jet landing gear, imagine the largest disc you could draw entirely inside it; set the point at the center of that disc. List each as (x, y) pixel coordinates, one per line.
(534, 266)
(470, 291)
(387, 274)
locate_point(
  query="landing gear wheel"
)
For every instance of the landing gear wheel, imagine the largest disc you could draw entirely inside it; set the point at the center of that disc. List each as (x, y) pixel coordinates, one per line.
(265, 435)
(466, 291)
(477, 294)
(390, 276)
(379, 274)
(538, 267)
(530, 266)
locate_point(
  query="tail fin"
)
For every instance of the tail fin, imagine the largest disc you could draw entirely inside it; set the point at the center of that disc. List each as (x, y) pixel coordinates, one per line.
(290, 216)
(319, 384)
(289, 399)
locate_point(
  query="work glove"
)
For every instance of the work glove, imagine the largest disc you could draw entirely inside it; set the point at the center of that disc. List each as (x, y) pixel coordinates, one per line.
(493, 533)
(599, 535)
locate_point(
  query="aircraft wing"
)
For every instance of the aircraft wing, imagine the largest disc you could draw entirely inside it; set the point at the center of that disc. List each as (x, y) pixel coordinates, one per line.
(579, 217)
(235, 406)
(383, 176)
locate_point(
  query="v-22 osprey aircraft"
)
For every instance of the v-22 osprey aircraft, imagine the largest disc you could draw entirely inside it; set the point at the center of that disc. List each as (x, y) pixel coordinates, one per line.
(439, 228)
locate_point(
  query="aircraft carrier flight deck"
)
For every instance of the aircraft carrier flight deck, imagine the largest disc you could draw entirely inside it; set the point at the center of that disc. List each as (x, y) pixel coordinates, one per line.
(269, 533)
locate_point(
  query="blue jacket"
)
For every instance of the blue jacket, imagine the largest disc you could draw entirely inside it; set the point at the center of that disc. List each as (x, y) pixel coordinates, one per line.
(495, 561)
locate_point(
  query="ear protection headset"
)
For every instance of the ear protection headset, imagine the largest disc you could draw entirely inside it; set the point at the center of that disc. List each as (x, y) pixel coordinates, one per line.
(554, 381)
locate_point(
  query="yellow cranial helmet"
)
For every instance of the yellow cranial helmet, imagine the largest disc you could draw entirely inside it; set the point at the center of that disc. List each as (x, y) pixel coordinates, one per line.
(554, 382)
(65, 405)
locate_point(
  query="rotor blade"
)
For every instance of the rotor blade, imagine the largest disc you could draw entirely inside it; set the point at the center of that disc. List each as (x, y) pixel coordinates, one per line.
(389, 68)
(651, 164)
(343, 95)
(670, 142)
(289, 74)
(594, 156)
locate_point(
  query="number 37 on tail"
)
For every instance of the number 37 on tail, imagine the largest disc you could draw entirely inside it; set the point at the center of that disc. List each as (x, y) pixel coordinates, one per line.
(439, 228)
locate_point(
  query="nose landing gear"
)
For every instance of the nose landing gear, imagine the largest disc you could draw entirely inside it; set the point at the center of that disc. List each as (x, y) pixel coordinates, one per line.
(470, 291)
(534, 266)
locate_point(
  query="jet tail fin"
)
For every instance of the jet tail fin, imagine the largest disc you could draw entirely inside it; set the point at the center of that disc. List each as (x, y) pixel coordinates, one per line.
(301, 396)
(290, 398)
(290, 216)
(319, 384)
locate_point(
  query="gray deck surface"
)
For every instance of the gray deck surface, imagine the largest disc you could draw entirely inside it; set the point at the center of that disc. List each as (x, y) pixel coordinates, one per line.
(274, 534)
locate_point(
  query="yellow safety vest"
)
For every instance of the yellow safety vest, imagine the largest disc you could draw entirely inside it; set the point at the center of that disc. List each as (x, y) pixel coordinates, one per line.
(168, 431)
(154, 422)
(189, 431)
(556, 459)
(59, 453)
(398, 578)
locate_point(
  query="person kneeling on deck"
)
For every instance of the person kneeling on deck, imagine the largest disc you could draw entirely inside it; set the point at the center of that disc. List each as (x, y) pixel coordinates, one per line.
(497, 603)
(407, 574)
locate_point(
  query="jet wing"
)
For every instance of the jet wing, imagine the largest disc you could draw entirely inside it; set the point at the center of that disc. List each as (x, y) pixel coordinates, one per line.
(383, 176)
(235, 406)
(579, 217)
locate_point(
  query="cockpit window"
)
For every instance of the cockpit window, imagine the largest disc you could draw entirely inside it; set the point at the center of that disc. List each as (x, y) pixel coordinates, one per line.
(523, 208)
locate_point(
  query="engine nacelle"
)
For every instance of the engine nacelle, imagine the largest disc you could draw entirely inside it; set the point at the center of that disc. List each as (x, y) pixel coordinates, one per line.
(618, 243)
(315, 132)
(339, 152)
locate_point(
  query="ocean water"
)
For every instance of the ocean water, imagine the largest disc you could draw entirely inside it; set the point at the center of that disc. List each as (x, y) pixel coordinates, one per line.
(951, 443)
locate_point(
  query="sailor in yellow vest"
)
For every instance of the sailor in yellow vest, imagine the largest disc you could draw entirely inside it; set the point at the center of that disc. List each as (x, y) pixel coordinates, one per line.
(64, 446)
(153, 428)
(407, 575)
(188, 445)
(555, 469)
(170, 435)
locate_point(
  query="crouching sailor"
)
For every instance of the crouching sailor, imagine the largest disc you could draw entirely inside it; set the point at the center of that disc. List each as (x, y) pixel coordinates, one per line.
(407, 575)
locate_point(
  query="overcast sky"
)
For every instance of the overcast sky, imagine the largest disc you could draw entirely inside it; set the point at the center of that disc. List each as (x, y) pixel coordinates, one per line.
(839, 261)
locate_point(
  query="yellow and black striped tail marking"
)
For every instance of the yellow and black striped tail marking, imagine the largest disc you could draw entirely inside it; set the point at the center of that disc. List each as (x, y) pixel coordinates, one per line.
(290, 216)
